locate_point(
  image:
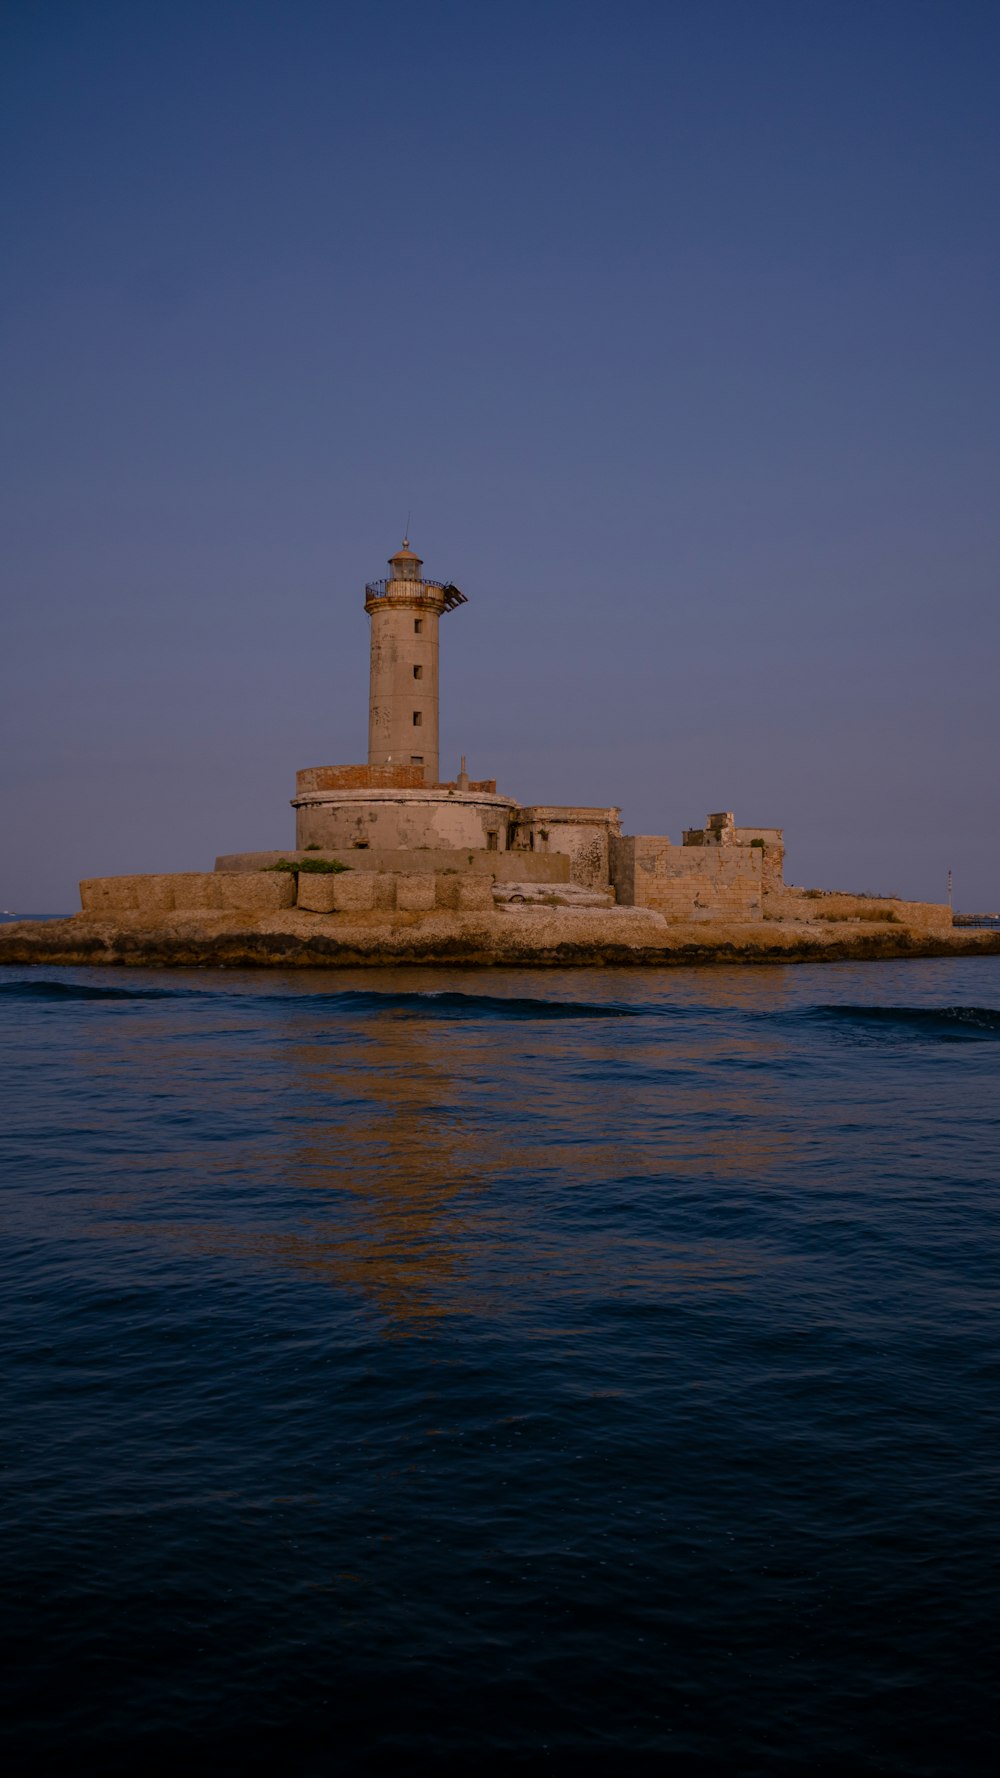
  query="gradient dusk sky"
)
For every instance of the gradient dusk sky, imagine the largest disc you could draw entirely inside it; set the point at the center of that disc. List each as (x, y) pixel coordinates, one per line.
(674, 325)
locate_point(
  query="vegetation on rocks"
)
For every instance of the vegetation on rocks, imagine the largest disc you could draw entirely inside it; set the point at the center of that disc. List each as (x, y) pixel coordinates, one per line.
(318, 867)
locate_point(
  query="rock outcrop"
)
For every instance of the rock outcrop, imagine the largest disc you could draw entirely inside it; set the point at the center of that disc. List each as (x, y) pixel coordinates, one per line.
(521, 937)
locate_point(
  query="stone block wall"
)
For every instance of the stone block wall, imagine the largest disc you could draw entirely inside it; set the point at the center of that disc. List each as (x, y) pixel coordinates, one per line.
(261, 892)
(415, 892)
(770, 842)
(409, 892)
(462, 893)
(687, 883)
(328, 894)
(500, 867)
(189, 892)
(683, 883)
(359, 778)
(721, 830)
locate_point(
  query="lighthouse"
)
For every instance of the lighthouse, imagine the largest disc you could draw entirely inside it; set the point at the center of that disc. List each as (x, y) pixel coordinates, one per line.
(405, 612)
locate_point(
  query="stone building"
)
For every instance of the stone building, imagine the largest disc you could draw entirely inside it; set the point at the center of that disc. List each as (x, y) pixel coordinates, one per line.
(584, 836)
(397, 801)
(394, 816)
(417, 847)
(719, 871)
(403, 700)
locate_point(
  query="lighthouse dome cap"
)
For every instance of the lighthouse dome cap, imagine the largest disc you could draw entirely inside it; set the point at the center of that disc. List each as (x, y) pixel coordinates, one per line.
(406, 554)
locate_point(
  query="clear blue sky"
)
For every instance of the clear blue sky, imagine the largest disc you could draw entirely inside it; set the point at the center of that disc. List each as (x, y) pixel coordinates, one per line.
(674, 324)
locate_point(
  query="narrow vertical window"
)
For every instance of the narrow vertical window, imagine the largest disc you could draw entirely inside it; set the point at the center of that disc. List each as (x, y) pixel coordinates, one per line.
(417, 718)
(418, 626)
(418, 672)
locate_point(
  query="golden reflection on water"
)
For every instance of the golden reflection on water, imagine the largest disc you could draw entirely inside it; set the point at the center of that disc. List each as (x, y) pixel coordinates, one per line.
(403, 1125)
(440, 1108)
(407, 1161)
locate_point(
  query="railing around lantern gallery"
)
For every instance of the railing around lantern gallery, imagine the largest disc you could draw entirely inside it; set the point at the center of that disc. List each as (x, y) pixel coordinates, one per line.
(381, 589)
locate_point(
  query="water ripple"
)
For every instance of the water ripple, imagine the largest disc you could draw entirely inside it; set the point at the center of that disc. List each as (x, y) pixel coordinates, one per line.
(445, 1369)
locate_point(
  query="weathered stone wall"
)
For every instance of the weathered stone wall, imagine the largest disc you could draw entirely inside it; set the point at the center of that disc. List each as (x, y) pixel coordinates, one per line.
(403, 699)
(833, 906)
(462, 893)
(407, 891)
(621, 868)
(358, 778)
(361, 893)
(405, 819)
(688, 883)
(501, 867)
(770, 842)
(583, 835)
(258, 892)
(721, 830)
(197, 891)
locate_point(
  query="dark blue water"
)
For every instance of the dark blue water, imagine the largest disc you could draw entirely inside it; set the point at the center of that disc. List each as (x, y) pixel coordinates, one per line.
(485, 1370)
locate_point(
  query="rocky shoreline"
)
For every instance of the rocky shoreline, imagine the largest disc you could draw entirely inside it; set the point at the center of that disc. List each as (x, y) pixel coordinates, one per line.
(527, 938)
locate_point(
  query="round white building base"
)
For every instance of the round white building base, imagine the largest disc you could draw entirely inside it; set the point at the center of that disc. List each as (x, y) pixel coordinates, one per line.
(439, 820)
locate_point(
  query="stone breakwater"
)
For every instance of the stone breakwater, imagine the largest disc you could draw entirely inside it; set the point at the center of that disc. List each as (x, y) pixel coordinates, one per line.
(522, 937)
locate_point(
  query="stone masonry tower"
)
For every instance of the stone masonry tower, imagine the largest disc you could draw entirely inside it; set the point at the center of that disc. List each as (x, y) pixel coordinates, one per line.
(403, 701)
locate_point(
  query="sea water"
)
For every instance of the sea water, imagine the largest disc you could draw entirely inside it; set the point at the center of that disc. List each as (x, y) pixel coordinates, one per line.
(425, 1369)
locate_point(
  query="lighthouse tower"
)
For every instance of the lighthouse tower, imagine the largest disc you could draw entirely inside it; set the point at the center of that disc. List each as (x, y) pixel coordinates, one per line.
(403, 699)
(397, 802)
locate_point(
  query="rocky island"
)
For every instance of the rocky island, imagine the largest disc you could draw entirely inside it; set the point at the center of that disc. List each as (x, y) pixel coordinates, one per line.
(391, 865)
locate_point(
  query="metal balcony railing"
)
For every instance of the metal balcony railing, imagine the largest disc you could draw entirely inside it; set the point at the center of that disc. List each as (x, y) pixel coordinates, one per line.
(381, 589)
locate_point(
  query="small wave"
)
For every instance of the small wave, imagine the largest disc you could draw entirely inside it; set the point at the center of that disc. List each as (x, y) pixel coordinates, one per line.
(953, 1022)
(64, 991)
(448, 1004)
(427, 1004)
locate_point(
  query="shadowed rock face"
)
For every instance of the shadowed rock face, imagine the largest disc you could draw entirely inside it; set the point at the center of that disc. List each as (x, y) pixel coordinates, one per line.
(526, 936)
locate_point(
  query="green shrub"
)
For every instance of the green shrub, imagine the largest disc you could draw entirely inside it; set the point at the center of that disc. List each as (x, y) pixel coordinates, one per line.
(317, 867)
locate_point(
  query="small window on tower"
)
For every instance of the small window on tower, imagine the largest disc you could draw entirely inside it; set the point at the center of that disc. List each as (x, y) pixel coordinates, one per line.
(418, 626)
(418, 717)
(418, 672)
(416, 759)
